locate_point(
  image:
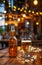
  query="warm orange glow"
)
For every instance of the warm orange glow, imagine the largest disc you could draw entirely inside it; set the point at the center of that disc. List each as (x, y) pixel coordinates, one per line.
(22, 20)
(12, 45)
(10, 22)
(12, 49)
(16, 24)
(28, 17)
(26, 5)
(10, 16)
(6, 16)
(18, 48)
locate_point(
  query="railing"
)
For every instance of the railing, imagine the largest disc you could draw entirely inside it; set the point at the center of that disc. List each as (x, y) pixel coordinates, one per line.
(4, 43)
(37, 42)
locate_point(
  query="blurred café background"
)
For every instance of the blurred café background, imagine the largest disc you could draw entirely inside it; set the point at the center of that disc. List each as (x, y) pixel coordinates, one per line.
(24, 15)
(21, 32)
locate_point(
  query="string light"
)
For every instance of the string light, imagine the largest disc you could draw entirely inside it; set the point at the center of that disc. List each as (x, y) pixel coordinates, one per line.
(29, 11)
(24, 15)
(25, 11)
(40, 13)
(21, 10)
(4, 1)
(18, 8)
(10, 16)
(37, 23)
(37, 13)
(18, 19)
(14, 7)
(35, 2)
(33, 12)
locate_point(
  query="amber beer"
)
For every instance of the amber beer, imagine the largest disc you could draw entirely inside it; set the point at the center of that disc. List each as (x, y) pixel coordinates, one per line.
(13, 45)
(25, 45)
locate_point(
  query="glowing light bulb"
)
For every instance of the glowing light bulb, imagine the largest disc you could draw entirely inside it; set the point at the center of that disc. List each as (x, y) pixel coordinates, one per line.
(24, 15)
(37, 13)
(37, 23)
(33, 12)
(35, 2)
(18, 8)
(40, 13)
(27, 23)
(29, 11)
(18, 19)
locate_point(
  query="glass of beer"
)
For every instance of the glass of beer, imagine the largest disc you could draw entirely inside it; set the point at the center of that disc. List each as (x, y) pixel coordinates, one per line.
(25, 45)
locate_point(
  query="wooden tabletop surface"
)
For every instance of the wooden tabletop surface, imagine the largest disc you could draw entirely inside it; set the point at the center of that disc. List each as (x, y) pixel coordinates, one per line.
(6, 60)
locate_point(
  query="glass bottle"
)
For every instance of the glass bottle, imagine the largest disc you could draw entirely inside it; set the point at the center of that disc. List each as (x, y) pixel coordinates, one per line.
(13, 45)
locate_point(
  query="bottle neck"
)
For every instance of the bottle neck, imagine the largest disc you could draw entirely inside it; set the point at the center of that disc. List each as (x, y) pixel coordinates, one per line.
(12, 34)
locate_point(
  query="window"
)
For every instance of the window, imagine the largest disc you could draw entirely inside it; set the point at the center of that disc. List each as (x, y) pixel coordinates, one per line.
(2, 16)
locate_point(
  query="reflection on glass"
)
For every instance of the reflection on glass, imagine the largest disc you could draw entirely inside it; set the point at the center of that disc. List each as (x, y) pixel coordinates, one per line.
(25, 45)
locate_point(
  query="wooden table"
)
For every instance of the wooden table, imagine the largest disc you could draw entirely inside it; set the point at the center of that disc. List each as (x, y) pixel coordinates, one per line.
(6, 60)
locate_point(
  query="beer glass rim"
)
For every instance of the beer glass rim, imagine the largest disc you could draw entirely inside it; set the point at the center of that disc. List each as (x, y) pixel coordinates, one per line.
(26, 41)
